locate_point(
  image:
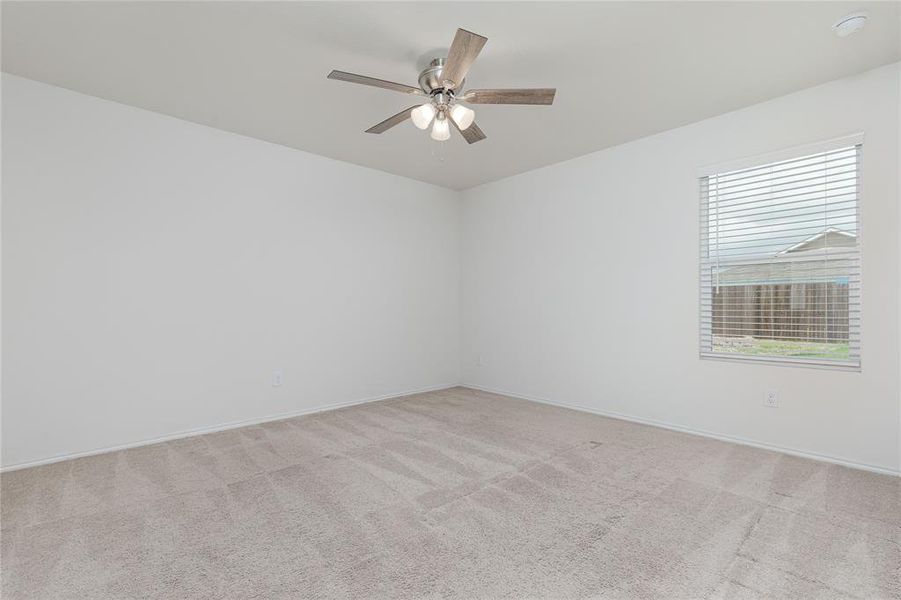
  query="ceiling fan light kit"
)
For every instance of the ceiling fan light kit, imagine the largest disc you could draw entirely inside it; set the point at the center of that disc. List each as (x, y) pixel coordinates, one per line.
(442, 82)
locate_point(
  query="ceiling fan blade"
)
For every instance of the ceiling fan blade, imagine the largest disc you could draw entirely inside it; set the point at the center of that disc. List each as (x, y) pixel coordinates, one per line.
(463, 52)
(522, 96)
(391, 121)
(379, 83)
(471, 134)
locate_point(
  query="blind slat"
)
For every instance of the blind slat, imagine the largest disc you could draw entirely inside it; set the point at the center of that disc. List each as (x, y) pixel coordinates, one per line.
(815, 185)
(791, 171)
(770, 207)
(848, 151)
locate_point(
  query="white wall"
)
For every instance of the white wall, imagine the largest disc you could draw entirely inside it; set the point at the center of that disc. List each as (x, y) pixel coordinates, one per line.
(155, 272)
(581, 283)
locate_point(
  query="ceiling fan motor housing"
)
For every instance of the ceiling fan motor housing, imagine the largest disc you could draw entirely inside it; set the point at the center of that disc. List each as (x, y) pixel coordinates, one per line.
(430, 79)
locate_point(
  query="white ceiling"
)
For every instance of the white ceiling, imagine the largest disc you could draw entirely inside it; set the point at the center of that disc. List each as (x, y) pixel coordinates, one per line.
(622, 70)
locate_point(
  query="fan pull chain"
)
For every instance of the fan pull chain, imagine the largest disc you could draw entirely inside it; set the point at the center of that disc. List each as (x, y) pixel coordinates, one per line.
(437, 150)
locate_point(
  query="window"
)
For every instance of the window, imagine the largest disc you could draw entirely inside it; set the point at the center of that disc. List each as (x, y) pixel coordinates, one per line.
(780, 259)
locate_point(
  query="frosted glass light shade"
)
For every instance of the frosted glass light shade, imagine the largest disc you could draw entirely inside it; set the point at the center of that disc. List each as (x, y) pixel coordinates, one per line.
(423, 115)
(440, 130)
(462, 116)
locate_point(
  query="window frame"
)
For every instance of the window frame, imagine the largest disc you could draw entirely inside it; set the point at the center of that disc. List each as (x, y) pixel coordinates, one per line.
(851, 364)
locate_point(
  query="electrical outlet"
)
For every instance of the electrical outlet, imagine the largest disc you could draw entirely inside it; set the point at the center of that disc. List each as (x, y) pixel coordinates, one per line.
(479, 361)
(278, 376)
(771, 399)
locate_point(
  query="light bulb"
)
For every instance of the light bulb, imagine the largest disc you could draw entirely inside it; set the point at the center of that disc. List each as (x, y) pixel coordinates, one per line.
(423, 115)
(462, 116)
(440, 129)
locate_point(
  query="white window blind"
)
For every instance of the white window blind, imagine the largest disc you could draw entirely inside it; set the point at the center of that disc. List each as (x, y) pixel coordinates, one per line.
(780, 260)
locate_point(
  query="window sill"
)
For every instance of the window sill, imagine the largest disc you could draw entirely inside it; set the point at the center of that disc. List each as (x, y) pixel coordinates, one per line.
(809, 363)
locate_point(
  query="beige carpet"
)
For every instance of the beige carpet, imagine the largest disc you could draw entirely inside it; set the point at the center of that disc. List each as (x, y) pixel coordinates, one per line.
(454, 494)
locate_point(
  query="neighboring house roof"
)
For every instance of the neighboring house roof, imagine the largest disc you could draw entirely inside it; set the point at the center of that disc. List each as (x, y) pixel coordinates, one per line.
(828, 238)
(828, 270)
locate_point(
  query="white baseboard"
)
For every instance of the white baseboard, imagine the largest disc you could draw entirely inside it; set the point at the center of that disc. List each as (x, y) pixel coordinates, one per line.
(221, 427)
(318, 409)
(700, 432)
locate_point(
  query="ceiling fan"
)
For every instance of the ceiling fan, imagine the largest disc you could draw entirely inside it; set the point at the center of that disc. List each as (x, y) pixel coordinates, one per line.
(442, 82)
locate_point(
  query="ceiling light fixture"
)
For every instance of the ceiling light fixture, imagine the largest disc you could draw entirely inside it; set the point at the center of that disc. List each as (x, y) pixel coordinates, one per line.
(462, 116)
(439, 110)
(850, 23)
(422, 115)
(441, 128)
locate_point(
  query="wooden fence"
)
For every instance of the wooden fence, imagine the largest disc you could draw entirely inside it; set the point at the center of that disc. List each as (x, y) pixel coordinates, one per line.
(807, 311)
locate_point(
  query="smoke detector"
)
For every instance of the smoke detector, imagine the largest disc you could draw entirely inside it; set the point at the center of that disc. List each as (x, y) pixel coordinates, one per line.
(851, 23)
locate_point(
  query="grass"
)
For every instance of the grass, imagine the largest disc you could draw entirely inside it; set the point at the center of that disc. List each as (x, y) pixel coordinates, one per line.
(782, 348)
